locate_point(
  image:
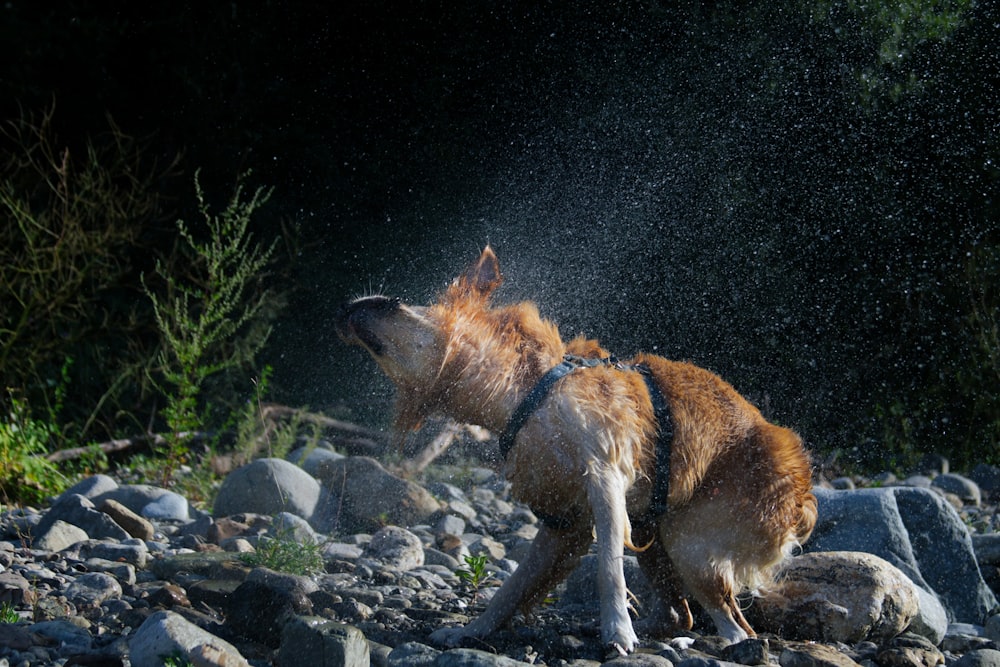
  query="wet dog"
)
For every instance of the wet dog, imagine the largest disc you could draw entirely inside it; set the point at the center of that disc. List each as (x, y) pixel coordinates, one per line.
(659, 456)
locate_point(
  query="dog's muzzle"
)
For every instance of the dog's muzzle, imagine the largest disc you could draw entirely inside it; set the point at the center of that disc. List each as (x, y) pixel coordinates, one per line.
(354, 320)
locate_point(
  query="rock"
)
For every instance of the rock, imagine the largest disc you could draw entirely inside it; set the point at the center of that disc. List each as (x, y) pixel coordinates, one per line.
(397, 548)
(319, 642)
(909, 650)
(652, 660)
(311, 458)
(837, 596)
(65, 633)
(813, 655)
(985, 657)
(467, 657)
(341, 551)
(365, 494)
(16, 589)
(964, 637)
(916, 531)
(152, 502)
(963, 487)
(413, 654)
(123, 572)
(81, 512)
(943, 548)
(93, 588)
(288, 526)
(986, 546)
(987, 477)
(60, 535)
(265, 601)
(166, 634)
(169, 506)
(16, 637)
(130, 550)
(931, 620)
(449, 524)
(134, 525)
(92, 487)
(268, 486)
(752, 651)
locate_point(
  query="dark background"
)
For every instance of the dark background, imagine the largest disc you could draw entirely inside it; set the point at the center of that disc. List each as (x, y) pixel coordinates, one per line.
(787, 194)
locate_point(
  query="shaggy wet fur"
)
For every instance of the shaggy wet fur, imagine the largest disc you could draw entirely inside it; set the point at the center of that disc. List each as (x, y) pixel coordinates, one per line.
(740, 493)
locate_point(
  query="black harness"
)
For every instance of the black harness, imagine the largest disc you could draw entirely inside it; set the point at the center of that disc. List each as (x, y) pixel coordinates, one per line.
(661, 412)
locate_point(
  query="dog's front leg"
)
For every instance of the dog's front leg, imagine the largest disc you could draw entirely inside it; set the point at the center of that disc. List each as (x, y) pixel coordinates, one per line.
(606, 488)
(552, 555)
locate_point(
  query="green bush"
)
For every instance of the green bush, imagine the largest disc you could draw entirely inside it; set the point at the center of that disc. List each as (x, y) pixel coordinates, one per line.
(71, 225)
(25, 474)
(213, 320)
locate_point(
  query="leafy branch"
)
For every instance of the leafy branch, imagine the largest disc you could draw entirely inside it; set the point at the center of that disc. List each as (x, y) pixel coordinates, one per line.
(211, 322)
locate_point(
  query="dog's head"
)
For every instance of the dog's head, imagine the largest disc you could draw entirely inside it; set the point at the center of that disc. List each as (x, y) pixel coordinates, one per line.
(458, 356)
(409, 343)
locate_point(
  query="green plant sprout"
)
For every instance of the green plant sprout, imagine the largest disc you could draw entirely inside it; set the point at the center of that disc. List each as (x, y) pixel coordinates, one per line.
(8, 614)
(476, 575)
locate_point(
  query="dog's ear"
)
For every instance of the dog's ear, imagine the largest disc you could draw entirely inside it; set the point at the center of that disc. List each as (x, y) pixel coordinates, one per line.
(481, 278)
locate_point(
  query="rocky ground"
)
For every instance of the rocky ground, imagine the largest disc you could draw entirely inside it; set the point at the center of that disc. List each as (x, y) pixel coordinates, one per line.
(114, 574)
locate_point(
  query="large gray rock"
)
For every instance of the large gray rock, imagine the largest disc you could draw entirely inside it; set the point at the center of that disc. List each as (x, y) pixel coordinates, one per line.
(837, 596)
(916, 531)
(60, 535)
(318, 642)
(364, 495)
(261, 606)
(311, 458)
(91, 487)
(268, 486)
(964, 488)
(166, 634)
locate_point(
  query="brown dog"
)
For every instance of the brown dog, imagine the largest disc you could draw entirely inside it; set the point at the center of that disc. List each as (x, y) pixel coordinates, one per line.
(584, 456)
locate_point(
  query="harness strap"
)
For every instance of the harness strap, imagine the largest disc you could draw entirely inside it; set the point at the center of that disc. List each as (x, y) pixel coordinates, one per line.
(665, 437)
(661, 413)
(531, 403)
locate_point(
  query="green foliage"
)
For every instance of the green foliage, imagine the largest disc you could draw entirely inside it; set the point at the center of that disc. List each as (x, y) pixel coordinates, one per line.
(256, 434)
(211, 321)
(8, 614)
(979, 377)
(176, 659)
(286, 555)
(25, 474)
(70, 220)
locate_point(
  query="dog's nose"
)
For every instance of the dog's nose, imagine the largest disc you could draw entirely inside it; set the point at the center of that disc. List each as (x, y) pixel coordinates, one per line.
(369, 305)
(353, 320)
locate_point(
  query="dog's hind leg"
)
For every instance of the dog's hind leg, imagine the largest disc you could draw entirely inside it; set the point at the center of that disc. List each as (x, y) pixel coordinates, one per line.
(712, 584)
(606, 488)
(670, 610)
(553, 553)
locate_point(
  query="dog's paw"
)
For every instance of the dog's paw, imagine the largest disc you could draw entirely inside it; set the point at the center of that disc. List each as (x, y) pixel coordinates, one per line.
(682, 643)
(448, 637)
(621, 639)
